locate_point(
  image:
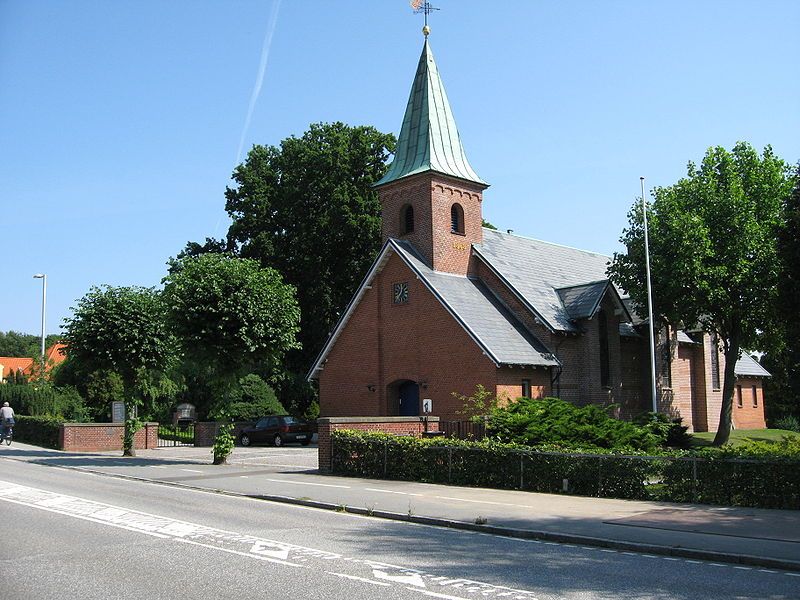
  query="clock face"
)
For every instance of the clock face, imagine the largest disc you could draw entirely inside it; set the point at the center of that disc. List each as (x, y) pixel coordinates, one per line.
(400, 293)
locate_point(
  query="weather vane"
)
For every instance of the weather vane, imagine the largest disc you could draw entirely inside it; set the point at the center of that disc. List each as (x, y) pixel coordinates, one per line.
(425, 8)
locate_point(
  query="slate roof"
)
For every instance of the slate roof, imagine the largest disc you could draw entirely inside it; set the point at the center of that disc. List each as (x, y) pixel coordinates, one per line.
(541, 272)
(506, 340)
(485, 319)
(582, 301)
(684, 338)
(747, 366)
(429, 139)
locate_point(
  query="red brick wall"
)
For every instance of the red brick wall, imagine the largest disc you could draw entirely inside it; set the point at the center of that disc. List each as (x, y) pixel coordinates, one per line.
(97, 437)
(205, 432)
(413, 426)
(509, 383)
(748, 416)
(385, 343)
(432, 196)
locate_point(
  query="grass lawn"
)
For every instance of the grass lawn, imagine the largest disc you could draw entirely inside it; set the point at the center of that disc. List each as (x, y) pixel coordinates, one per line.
(739, 435)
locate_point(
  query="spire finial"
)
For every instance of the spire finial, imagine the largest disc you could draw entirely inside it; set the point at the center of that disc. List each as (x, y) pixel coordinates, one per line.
(425, 8)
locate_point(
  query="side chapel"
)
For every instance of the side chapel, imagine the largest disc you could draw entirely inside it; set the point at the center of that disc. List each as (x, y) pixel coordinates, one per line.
(448, 304)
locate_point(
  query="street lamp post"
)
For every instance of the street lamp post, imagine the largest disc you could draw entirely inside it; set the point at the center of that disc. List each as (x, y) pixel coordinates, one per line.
(43, 277)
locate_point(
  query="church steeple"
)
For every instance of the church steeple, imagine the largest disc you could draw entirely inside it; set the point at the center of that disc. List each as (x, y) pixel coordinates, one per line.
(429, 139)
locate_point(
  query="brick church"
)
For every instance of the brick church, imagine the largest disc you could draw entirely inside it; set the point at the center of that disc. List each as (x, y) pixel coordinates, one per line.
(448, 304)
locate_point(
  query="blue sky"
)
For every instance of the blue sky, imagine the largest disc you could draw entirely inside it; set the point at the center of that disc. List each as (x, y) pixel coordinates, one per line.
(121, 121)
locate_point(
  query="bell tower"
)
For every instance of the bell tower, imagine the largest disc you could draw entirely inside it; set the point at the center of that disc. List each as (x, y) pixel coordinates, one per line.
(430, 195)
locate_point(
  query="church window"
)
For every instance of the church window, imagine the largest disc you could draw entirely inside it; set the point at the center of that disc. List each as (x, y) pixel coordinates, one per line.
(739, 396)
(666, 359)
(456, 219)
(526, 388)
(755, 397)
(602, 330)
(406, 219)
(714, 361)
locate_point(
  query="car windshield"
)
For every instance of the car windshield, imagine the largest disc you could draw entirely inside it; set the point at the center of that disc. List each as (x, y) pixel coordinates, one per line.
(292, 421)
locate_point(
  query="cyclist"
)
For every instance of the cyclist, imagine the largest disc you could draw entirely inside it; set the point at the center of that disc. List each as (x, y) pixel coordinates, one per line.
(6, 420)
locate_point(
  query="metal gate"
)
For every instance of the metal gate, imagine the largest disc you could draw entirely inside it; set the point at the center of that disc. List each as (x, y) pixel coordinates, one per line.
(175, 435)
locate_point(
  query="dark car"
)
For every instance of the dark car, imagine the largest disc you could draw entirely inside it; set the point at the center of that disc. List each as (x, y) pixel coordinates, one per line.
(277, 430)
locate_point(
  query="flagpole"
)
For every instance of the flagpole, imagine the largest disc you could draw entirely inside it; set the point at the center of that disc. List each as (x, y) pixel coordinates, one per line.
(651, 322)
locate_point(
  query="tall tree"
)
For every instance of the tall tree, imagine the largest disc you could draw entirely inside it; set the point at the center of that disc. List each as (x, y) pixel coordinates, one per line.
(782, 342)
(307, 209)
(713, 252)
(231, 316)
(123, 330)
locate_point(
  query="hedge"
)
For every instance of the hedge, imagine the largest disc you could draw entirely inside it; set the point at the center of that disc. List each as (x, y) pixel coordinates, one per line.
(712, 477)
(39, 431)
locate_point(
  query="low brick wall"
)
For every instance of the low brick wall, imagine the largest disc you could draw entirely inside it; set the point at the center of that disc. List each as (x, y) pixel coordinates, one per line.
(97, 437)
(414, 426)
(205, 432)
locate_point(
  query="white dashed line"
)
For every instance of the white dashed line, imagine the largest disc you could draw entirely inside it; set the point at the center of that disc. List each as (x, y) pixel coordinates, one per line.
(346, 487)
(355, 578)
(191, 471)
(391, 492)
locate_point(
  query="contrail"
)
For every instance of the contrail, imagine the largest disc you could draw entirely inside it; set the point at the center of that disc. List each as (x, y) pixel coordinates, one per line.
(262, 67)
(273, 19)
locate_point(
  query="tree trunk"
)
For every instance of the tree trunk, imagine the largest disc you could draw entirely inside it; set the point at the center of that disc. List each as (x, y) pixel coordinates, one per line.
(731, 354)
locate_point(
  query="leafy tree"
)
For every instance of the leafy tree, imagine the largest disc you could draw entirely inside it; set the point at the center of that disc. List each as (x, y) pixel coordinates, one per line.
(308, 209)
(122, 330)
(488, 225)
(253, 398)
(102, 388)
(782, 341)
(713, 252)
(23, 345)
(230, 315)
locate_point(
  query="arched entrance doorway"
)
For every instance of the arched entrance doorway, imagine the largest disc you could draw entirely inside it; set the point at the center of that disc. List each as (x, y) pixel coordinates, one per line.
(409, 399)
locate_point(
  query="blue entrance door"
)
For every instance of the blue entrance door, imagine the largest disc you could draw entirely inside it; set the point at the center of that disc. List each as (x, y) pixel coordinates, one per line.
(409, 399)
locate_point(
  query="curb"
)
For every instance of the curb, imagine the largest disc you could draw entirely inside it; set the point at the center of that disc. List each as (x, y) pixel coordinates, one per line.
(530, 534)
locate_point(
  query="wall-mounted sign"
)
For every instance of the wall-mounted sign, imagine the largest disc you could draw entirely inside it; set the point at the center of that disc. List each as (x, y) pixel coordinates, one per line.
(117, 412)
(427, 406)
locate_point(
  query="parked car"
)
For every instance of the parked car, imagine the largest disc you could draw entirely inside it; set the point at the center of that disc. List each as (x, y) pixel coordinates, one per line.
(277, 430)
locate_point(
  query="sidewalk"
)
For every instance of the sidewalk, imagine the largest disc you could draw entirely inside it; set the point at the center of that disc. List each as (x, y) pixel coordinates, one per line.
(760, 537)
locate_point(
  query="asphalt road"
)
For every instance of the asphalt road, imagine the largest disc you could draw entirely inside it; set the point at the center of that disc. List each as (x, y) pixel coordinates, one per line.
(75, 534)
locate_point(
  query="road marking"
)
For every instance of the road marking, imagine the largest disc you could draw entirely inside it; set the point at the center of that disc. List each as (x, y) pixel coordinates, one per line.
(483, 502)
(248, 546)
(406, 578)
(346, 487)
(356, 578)
(158, 466)
(436, 595)
(391, 492)
(191, 470)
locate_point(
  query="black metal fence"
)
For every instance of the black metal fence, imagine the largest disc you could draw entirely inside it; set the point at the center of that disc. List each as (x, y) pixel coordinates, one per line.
(175, 435)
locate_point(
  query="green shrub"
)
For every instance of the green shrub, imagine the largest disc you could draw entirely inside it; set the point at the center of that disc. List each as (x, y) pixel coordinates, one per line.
(669, 431)
(39, 431)
(531, 421)
(45, 400)
(758, 474)
(788, 422)
(250, 399)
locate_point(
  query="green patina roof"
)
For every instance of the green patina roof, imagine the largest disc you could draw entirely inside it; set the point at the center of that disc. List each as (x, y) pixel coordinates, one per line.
(429, 139)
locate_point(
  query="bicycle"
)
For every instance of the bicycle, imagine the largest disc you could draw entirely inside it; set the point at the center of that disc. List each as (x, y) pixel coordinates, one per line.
(7, 434)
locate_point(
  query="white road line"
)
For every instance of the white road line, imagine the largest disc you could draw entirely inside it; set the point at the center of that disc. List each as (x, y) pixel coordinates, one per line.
(391, 492)
(158, 466)
(437, 595)
(243, 476)
(191, 470)
(483, 502)
(346, 487)
(237, 552)
(355, 578)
